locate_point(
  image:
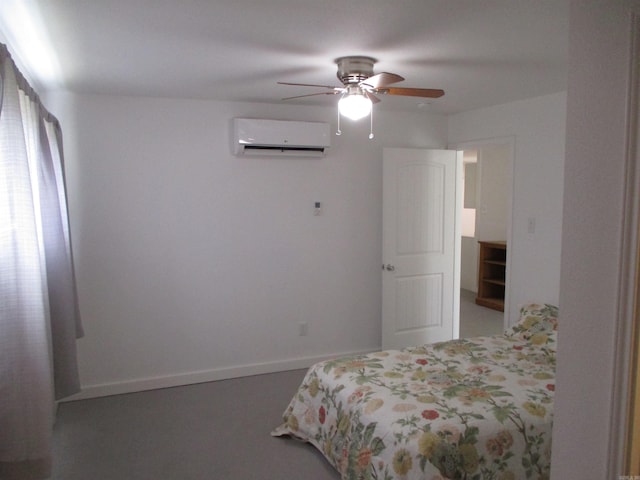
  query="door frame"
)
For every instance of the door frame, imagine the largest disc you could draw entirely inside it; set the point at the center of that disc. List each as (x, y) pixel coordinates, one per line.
(510, 142)
(624, 444)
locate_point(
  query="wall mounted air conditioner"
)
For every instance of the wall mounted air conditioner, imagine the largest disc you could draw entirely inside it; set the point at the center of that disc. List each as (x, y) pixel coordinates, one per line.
(253, 136)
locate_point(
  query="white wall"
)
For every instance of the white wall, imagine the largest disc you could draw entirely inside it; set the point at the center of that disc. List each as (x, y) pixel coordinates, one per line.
(469, 263)
(469, 245)
(494, 182)
(591, 240)
(17, 59)
(538, 126)
(193, 264)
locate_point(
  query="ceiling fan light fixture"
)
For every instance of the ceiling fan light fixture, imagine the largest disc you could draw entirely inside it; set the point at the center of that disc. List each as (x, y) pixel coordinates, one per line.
(354, 106)
(360, 87)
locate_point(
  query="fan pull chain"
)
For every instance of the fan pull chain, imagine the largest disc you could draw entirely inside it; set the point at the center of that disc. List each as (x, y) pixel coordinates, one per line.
(339, 132)
(371, 125)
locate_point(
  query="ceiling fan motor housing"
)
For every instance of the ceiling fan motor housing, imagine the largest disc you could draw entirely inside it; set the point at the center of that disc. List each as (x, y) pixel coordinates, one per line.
(353, 70)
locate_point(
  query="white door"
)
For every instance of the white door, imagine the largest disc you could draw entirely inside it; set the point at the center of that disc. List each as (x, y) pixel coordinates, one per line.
(421, 246)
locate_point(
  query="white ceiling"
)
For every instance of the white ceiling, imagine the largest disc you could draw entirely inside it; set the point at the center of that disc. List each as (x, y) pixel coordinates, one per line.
(481, 52)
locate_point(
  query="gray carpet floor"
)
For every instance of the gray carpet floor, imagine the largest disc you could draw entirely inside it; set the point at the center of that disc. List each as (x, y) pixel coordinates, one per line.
(210, 431)
(476, 320)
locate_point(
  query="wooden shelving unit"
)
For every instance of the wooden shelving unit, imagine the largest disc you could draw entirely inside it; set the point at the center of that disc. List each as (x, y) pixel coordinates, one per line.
(492, 266)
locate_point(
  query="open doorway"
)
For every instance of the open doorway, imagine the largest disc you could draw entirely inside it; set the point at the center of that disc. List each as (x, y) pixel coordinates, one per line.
(485, 231)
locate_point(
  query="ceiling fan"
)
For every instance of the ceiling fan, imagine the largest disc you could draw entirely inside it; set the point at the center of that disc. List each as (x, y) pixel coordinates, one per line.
(360, 87)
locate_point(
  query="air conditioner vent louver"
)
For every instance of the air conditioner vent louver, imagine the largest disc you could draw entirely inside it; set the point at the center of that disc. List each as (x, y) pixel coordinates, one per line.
(285, 149)
(280, 137)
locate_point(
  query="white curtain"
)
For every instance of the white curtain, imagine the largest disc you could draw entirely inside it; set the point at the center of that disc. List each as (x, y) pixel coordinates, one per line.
(39, 315)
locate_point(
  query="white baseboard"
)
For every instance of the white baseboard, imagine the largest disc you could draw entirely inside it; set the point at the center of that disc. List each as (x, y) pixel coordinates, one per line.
(166, 381)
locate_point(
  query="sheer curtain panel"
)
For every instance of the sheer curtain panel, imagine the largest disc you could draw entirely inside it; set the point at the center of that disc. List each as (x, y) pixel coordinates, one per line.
(39, 315)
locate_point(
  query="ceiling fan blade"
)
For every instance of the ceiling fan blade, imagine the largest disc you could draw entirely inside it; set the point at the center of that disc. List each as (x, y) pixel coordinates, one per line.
(371, 97)
(411, 92)
(311, 85)
(311, 95)
(382, 79)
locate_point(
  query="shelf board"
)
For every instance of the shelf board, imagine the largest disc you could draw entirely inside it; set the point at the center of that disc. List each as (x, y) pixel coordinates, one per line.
(502, 245)
(502, 263)
(494, 303)
(492, 273)
(494, 281)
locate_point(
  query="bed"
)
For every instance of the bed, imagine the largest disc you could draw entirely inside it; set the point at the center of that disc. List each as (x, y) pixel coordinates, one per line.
(479, 408)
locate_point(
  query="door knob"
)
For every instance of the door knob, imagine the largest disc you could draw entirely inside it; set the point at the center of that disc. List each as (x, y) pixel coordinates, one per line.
(389, 268)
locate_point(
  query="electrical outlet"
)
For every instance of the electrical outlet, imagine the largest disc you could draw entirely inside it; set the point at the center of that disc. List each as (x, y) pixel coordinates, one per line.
(303, 329)
(531, 225)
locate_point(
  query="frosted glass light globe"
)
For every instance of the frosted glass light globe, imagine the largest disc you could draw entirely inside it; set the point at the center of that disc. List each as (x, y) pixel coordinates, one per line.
(355, 106)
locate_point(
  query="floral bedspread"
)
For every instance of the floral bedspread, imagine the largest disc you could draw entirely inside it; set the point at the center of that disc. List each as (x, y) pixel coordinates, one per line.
(479, 408)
